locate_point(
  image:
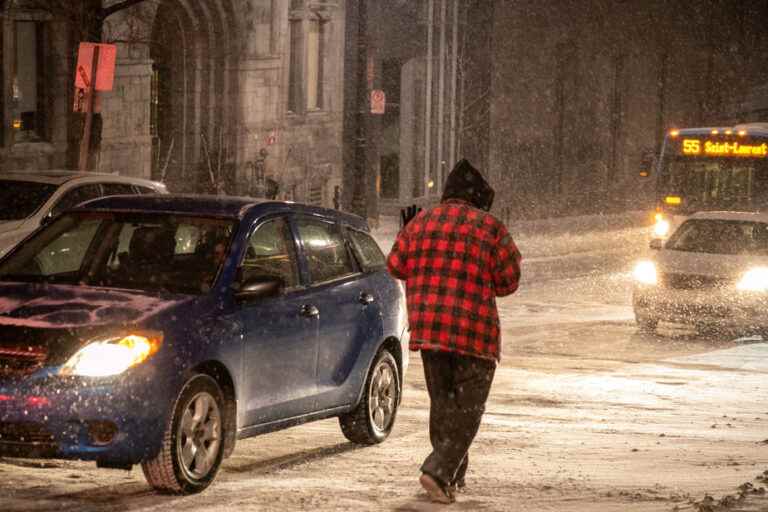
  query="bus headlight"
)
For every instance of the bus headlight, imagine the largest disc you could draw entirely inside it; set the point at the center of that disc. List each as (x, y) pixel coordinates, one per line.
(661, 227)
(113, 355)
(754, 280)
(645, 273)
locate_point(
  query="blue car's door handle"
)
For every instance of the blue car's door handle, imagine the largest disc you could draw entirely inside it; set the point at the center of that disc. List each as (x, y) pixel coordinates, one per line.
(309, 311)
(366, 298)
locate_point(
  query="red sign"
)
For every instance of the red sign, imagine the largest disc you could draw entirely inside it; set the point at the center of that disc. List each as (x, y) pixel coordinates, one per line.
(105, 73)
(378, 101)
(80, 104)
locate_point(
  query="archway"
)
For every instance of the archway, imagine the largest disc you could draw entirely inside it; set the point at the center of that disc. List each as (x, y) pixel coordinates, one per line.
(195, 45)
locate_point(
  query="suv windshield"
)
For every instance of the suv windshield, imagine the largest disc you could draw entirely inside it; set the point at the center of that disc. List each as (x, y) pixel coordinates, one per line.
(720, 237)
(21, 199)
(146, 252)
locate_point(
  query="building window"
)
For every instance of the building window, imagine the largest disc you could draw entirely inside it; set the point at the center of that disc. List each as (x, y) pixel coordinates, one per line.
(315, 58)
(295, 71)
(308, 48)
(28, 80)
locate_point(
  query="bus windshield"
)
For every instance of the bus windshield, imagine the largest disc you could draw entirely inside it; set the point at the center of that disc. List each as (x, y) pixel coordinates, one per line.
(717, 182)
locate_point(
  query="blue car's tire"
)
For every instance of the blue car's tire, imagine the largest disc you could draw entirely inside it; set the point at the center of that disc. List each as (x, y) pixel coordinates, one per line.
(193, 442)
(373, 418)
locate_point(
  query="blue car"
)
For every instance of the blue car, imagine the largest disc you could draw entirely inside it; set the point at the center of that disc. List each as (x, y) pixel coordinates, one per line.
(158, 330)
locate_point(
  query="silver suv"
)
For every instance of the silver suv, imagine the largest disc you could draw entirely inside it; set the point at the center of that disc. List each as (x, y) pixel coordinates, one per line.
(31, 198)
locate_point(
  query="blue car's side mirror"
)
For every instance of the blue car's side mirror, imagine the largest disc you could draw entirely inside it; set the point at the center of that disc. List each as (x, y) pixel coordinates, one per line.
(260, 287)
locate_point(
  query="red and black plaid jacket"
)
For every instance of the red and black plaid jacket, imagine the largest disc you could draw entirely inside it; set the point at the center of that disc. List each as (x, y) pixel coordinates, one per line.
(455, 260)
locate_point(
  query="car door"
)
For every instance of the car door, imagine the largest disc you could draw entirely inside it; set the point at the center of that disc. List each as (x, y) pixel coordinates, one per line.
(280, 349)
(378, 291)
(335, 292)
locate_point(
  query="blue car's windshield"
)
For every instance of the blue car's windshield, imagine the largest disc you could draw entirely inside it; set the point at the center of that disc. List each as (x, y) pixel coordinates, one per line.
(147, 252)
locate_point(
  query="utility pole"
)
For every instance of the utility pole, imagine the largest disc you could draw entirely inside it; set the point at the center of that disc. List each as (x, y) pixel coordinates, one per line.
(361, 141)
(362, 166)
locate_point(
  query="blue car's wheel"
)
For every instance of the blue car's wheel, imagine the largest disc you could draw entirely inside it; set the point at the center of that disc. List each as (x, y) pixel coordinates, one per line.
(193, 444)
(372, 420)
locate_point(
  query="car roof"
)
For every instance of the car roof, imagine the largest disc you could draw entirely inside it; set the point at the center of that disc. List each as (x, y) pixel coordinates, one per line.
(732, 215)
(60, 177)
(218, 206)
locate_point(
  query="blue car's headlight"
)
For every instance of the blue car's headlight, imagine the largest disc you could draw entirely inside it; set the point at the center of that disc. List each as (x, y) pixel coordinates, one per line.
(113, 355)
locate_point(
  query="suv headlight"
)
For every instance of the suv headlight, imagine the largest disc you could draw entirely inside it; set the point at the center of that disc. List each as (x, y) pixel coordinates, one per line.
(104, 357)
(661, 226)
(645, 272)
(754, 280)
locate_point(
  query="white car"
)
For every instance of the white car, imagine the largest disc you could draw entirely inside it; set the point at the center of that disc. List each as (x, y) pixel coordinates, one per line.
(712, 273)
(29, 199)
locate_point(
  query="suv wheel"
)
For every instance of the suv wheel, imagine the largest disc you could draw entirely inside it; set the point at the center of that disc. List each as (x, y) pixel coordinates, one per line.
(373, 418)
(193, 443)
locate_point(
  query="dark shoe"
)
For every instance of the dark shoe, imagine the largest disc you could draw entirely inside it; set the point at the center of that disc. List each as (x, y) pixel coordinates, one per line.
(436, 492)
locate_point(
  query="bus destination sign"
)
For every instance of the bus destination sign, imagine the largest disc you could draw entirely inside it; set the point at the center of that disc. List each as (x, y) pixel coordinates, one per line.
(714, 148)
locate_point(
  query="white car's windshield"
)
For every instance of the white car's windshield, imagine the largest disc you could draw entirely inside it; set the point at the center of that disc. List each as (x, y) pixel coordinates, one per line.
(720, 237)
(20, 199)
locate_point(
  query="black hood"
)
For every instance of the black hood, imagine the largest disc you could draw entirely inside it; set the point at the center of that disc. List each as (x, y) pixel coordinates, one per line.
(468, 184)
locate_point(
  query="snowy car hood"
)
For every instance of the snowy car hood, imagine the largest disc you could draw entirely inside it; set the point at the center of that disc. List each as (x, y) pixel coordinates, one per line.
(64, 306)
(715, 265)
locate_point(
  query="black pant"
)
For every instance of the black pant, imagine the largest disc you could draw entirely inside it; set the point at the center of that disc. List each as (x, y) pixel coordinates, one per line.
(458, 387)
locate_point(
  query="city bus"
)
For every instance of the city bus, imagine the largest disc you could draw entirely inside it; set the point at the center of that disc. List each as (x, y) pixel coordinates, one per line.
(713, 168)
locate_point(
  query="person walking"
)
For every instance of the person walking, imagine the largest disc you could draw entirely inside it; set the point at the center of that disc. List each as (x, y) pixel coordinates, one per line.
(455, 259)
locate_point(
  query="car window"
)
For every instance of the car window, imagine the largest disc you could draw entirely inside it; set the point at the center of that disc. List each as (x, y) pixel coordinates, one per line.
(118, 189)
(145, 190)
(325, 250)
(720, 237)
(76, 196)
(21, 199)
(189, 238)
(271, 252)
(367, 250)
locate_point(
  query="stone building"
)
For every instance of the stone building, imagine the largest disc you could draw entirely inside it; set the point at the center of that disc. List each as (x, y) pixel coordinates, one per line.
(210, 95)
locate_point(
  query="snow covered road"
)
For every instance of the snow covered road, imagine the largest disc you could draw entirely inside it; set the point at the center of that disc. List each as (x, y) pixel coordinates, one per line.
(586, 414)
